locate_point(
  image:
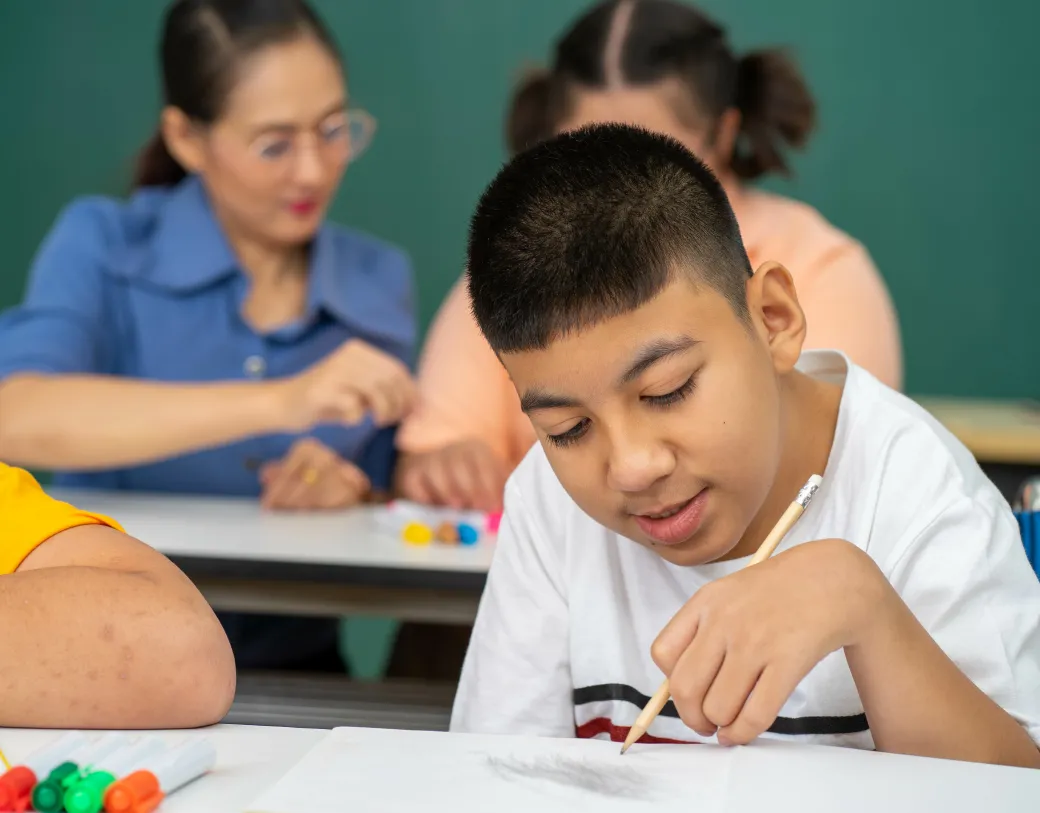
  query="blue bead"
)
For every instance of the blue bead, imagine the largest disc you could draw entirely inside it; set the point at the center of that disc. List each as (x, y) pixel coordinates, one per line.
(468, 535)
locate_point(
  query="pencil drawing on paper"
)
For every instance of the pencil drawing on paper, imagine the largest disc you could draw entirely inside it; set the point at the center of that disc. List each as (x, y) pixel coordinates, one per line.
(616, 781)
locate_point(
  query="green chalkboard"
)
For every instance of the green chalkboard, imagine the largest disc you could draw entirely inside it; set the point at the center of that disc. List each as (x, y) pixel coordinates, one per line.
(926, 150)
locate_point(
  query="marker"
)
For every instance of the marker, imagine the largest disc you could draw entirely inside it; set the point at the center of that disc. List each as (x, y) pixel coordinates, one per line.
(48, 795)
(16, 785)
(143, 790)
(87, 795)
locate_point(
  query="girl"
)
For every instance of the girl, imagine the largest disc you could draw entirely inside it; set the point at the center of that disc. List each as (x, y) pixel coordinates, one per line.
(665, 66)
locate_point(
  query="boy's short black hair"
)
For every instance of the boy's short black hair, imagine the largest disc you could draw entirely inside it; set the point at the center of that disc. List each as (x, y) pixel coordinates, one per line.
(592, 224)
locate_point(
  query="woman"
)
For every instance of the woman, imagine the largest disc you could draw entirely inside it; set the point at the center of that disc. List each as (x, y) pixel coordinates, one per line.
(665, 66)
(213, 334)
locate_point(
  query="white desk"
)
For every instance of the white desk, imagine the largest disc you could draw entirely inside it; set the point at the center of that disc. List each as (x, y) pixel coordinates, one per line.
(250, 759)
(340, 563)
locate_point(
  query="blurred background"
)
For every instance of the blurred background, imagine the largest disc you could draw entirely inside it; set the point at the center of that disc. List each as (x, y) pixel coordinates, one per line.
(925, 150)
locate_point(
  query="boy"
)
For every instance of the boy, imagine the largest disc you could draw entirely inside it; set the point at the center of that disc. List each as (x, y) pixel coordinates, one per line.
(96, 629)
(677, 420)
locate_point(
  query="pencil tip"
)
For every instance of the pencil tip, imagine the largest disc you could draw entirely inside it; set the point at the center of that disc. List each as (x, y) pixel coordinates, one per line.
(623, 749)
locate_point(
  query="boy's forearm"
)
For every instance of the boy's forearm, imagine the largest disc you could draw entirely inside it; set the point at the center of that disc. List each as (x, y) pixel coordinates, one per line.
(93, 647)
(918, 701)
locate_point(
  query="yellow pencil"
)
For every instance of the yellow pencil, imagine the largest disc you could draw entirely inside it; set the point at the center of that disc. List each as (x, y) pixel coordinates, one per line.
(7, 765)
(765, 550)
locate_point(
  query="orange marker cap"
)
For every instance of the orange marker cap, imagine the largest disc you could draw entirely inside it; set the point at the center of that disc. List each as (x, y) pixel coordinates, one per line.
(16, 789)
(137, 793)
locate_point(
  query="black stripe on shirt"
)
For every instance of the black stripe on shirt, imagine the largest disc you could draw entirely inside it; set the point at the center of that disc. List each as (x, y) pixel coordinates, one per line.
(848, 724)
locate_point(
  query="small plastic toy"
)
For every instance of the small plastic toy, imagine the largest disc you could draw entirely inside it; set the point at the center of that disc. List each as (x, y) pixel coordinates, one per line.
(415, 533)
(448, 533)
(422, 524)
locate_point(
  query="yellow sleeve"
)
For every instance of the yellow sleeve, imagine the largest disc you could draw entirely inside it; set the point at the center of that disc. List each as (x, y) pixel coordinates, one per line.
(28, 517)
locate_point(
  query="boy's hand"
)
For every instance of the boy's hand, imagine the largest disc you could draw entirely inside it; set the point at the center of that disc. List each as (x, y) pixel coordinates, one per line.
(311, 476)
(736, 651)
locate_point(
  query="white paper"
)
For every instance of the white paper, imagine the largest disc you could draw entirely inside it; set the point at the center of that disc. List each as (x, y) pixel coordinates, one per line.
(781, 777)
(381, 771)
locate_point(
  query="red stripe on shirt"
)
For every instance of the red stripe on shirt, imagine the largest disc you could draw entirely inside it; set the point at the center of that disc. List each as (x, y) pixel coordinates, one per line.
(603, 725)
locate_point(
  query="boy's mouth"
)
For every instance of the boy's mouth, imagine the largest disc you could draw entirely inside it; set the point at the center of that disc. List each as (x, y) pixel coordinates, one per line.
(672, 524)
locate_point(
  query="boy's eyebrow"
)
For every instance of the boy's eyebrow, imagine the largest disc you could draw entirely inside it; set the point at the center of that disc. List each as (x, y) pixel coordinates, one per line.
(536, 399)
(652, 353)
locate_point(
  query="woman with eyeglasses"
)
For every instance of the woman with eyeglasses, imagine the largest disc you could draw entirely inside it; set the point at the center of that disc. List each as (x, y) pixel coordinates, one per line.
(213, 334)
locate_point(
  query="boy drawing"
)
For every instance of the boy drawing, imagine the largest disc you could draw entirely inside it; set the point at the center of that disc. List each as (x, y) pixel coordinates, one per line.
(98, 630)
(677, 419)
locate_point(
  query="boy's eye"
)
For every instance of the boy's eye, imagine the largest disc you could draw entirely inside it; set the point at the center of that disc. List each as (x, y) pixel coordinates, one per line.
(674, 396)
(572, 435)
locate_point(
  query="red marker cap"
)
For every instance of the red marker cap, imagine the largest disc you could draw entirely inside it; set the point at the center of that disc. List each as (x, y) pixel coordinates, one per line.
(16, 789)
(137, 793)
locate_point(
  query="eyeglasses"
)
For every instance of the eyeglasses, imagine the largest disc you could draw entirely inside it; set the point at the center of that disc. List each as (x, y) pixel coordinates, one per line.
(362, 129)
(353, 133)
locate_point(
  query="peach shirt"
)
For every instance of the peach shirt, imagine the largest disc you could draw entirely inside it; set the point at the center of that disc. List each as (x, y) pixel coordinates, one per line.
(465, 392)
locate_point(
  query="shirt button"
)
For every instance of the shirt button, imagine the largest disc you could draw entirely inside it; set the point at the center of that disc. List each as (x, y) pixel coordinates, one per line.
(255, 367)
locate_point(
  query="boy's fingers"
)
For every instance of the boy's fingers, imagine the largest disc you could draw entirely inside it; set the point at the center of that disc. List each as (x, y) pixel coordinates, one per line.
(691, 678)
(676, 636)
(763, 705)
(729, 691)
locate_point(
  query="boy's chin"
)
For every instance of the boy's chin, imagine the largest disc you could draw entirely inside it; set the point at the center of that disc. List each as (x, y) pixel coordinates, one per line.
(699, 549)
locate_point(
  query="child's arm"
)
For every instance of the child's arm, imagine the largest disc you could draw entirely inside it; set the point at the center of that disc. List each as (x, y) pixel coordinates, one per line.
(456, 446)
(944, 645)
(516, 678)
(99, 630)
(919, 702)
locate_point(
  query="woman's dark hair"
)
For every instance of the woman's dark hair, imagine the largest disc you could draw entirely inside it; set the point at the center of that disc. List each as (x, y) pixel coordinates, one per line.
(641, 42)
(203, 44)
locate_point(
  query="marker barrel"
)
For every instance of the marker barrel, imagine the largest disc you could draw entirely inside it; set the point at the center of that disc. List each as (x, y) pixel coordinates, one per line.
(87, 795)
(49, 794)
(44, 760)
(143, 790)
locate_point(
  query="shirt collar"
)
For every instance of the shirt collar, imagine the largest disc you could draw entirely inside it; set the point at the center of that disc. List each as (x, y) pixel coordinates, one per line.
(190, 249)
(352, 283)
(345, 277)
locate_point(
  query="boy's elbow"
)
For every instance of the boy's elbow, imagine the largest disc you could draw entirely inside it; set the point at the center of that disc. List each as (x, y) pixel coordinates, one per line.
(202, 671)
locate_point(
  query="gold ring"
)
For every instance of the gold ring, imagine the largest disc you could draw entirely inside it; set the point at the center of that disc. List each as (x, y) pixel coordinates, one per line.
(310, 475)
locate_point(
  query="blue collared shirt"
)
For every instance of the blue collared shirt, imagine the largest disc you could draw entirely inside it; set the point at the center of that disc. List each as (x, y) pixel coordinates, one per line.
(150, 289)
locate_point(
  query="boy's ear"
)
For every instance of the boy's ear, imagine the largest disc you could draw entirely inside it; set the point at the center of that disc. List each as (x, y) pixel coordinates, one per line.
(776, 315)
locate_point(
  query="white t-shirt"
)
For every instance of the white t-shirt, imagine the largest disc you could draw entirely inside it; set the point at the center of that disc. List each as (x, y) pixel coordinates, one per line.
(561, 645)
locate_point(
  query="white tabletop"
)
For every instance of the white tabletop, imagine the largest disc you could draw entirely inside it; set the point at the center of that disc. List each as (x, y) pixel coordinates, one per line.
(250, 759)
(239, 529)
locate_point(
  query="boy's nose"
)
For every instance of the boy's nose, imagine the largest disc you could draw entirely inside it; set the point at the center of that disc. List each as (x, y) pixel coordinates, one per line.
(636, 467)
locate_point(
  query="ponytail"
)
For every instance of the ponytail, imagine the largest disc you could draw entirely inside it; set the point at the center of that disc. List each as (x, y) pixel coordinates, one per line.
(776, 109)
(529, 119)
(156, 166)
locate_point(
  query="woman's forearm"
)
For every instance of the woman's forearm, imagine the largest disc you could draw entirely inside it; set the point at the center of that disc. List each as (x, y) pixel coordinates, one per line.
(81, 422)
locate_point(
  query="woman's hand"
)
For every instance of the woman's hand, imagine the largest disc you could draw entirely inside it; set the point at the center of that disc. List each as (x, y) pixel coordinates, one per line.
(312, 476)
(354, 380)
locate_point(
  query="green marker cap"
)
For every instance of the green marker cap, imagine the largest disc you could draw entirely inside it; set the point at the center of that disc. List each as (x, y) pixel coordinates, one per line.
(87, 795)
(47, 795)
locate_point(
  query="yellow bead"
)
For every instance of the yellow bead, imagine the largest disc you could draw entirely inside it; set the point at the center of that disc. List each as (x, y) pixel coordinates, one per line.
(415, 533)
